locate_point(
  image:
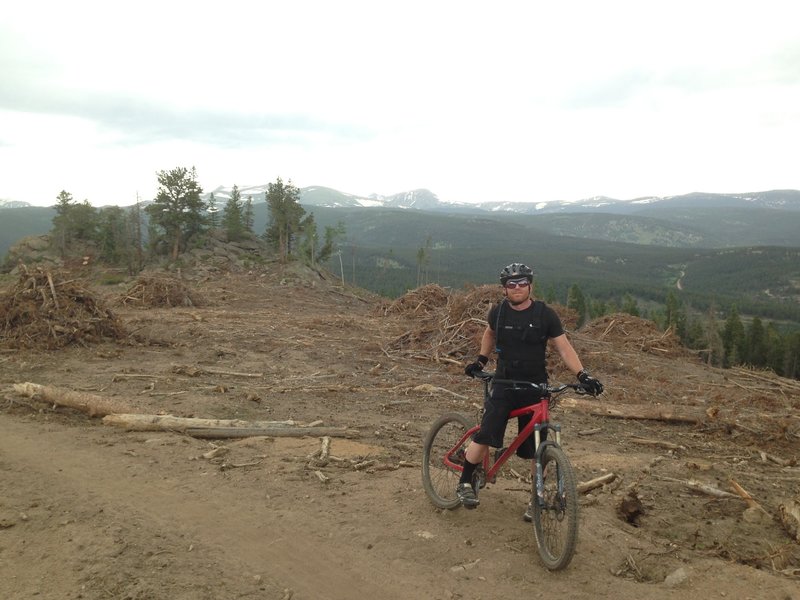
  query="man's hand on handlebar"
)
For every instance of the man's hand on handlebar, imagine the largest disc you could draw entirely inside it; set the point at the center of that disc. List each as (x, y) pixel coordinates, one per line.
(589, 383)
(476, 367)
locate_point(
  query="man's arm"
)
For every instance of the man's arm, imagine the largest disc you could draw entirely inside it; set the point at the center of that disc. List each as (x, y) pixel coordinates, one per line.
(567, 352)
(488, 342)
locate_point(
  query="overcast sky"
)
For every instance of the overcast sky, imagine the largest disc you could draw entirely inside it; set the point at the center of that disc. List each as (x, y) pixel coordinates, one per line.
(476, 101)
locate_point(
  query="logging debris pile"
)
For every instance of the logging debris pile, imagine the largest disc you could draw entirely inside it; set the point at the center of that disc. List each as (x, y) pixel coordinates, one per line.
(159, 292)
(451, 324)
(44, 311)
(420, 301)
(634, 333)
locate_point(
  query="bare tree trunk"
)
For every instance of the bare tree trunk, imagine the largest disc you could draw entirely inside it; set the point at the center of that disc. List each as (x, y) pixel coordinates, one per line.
(176, 246)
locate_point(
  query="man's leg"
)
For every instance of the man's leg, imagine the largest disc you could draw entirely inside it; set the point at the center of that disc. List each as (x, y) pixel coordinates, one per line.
(466, 493)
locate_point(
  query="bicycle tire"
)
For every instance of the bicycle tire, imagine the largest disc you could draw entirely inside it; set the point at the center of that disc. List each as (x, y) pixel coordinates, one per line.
(555, 519)
(438, 479)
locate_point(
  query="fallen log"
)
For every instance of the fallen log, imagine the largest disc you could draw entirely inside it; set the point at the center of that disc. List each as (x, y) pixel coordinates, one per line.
(657, 443)
(703, 488)
(241, 432)
(94, 406)
(588, 486)
(678, 414)
(135, 422)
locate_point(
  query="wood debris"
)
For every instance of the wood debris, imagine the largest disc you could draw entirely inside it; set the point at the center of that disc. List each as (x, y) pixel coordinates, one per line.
(162, 291)
(44, 310)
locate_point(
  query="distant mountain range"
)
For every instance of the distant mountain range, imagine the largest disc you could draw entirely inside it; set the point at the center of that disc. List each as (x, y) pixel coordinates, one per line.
(422, 199)
(721, 248)
(697, 220)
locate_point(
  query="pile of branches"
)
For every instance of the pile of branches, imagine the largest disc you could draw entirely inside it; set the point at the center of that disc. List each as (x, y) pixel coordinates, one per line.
(421, 301)
(634, 333)
(44, 311)
(451, 325)
(158, 292)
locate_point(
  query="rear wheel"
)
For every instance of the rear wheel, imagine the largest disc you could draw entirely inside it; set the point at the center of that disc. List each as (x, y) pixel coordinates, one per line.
(555, 516)
(438, 478)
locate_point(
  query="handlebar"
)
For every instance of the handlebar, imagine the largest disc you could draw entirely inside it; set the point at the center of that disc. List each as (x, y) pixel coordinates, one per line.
(542, 388)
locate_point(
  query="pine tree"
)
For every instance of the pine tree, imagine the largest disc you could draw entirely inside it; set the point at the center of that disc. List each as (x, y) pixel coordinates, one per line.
(577, 302)
(113, 235)
(550, 294)
(776, 349)
(714, 342)
(61, 227)
(176, 214)
(249, 218)
(213, 212)
(675, 316)
(756, 351)
(286, 214)
(733, 338)
(232, 217)
(329, 246)
(630, 306)
(309, 246)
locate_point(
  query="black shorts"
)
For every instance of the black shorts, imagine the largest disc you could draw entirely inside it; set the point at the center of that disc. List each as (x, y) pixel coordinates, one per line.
(495, 418)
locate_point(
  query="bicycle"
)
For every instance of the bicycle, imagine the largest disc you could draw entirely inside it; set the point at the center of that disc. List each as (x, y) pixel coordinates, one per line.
(554, 491)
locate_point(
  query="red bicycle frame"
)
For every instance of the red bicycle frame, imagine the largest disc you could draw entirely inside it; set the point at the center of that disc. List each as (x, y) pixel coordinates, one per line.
(540, 420)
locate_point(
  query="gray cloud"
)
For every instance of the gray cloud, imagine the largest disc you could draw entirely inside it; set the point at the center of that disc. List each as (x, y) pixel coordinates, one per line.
(139, 120)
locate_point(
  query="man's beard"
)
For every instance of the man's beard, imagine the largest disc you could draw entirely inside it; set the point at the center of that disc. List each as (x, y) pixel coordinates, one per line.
(512, 303)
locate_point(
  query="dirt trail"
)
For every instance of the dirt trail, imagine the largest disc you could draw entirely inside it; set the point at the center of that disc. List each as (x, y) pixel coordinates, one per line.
(89, 511)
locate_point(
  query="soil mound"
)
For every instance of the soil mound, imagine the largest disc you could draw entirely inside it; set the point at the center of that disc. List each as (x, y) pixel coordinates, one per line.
(45, 311)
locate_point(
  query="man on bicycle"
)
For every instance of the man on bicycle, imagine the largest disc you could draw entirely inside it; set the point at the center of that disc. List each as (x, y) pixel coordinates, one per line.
(519, 328)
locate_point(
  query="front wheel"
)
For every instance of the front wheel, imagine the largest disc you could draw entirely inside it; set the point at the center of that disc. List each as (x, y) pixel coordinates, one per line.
(442, 459)
(555, 514)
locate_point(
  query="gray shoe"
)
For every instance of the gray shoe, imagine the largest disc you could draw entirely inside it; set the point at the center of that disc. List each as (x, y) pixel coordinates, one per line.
(528, 514)
(467, 496)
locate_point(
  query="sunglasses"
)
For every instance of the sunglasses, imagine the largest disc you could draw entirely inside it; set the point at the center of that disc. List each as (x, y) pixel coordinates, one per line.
(511, 285)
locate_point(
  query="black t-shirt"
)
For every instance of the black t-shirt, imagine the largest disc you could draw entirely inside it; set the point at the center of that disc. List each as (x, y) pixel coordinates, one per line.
(522, 339)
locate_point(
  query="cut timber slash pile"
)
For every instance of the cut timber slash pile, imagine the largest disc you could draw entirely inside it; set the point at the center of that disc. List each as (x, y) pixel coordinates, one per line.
(156, 292)
(636, 334)
(450, 325)
(43, 311)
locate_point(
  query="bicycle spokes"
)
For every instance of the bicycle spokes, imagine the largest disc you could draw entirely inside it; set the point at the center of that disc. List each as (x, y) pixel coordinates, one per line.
(556, 509)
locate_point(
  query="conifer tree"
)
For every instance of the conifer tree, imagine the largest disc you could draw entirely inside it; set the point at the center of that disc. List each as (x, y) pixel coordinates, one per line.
(248, 217)
(213, 212)
(176, 214)
(733, 338)
(60, 232)
(285, 216)
(577, 302)
(232, 217)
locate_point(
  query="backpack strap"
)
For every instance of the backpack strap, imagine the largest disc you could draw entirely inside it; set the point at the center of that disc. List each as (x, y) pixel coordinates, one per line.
(499, 321)
(537, 317)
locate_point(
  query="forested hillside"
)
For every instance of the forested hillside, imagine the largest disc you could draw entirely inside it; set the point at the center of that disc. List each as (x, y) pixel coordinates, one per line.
(392, 250)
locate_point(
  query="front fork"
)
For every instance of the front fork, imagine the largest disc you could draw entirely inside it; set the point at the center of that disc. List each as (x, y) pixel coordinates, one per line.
(539, 475)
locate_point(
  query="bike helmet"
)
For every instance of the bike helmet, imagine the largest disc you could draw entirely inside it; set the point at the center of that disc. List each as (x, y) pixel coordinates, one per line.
(516, 271)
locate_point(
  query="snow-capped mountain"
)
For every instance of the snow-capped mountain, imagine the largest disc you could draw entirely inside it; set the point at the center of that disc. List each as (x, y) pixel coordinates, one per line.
(13, 204)
(423, 199)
